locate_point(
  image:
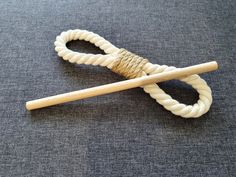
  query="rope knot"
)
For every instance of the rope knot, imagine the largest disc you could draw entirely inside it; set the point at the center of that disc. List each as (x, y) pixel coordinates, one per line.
(129, 64)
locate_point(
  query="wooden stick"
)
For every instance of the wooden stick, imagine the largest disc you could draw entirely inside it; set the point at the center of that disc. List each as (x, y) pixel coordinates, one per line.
(119, 86)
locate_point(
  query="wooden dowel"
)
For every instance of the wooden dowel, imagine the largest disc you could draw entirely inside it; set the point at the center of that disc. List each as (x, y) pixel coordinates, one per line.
(119, 86)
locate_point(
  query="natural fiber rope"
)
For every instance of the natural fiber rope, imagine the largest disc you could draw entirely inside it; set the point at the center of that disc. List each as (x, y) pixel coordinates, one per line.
(130, 65)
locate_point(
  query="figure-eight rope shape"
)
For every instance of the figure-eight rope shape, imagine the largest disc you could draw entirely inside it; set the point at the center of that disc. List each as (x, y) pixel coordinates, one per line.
(130, 65)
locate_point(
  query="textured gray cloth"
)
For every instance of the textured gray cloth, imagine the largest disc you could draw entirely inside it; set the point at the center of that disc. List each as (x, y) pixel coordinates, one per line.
(126, 133)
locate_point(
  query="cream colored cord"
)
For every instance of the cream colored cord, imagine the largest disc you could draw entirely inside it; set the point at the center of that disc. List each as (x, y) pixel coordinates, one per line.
(113, 54)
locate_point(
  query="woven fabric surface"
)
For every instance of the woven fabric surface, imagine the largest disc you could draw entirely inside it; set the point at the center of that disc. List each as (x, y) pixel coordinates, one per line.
(126, 133)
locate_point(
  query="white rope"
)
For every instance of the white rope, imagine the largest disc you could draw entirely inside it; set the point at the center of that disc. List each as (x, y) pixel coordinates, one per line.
(180, 109)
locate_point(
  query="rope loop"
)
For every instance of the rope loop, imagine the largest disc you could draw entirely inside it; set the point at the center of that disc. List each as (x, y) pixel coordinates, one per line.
(131, 65)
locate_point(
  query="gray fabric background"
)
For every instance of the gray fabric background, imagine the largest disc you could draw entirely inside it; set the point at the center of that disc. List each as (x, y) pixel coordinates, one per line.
(126, 133)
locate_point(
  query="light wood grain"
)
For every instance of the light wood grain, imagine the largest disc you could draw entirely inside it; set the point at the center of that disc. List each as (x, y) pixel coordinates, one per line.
(119, 86)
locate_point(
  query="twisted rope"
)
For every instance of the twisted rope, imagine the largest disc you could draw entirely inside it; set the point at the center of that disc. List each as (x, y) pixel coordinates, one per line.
(117, 59)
